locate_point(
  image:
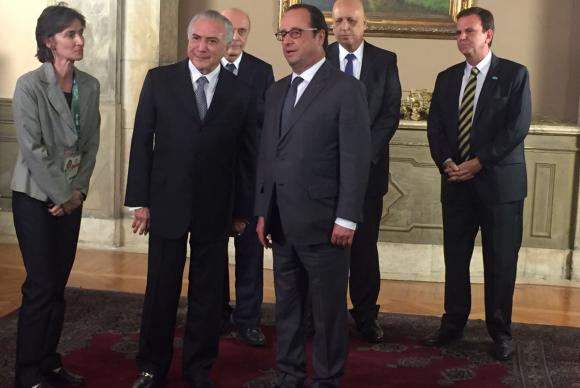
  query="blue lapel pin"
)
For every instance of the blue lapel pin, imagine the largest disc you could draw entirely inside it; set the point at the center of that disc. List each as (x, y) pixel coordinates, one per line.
(494, 77)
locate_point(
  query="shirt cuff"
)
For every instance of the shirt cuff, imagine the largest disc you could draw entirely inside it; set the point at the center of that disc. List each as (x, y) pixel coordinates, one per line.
(345, 223)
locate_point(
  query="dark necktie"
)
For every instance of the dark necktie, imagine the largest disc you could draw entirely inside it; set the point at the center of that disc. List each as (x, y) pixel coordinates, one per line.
(290, 101)
(231, 67)
(349, 68)
(466, 115)
(200, 99)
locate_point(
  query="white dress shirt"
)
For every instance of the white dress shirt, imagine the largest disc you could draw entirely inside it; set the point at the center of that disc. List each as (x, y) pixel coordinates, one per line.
(307, 76)
(212, 78)
(356, 62)
(483, 68)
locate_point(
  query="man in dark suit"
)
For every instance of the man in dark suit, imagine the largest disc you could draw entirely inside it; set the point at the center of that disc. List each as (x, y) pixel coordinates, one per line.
(312, 173)
(480, 114)
(191, 175)
(249, 252)
(377, 70)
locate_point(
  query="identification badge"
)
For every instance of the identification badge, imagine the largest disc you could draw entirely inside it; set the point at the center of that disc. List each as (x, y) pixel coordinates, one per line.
(72, 161)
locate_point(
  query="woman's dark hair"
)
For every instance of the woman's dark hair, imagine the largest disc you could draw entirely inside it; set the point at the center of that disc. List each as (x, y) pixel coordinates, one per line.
(316, 19)
(51, 21)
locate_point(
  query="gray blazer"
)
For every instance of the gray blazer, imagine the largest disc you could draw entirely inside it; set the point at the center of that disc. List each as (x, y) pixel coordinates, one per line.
(316, 168)
(45, 130)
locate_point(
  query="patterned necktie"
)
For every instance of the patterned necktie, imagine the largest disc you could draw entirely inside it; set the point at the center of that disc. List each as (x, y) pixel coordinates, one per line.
(290, 101)
(466, 115)
(200, 99)
(231, 67)
(349, 68)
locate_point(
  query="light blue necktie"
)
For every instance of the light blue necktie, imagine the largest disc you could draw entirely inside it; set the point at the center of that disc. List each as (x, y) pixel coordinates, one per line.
(200, 99)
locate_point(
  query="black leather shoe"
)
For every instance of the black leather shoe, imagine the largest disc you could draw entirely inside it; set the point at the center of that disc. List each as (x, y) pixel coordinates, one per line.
(252, 336)
(442, 337)
(42, 384)
(371, 332)
(503, 349)
(63, 377)
(145, 380)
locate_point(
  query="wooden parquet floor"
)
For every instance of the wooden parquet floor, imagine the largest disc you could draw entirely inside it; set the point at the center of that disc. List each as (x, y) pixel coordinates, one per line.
(123, 271)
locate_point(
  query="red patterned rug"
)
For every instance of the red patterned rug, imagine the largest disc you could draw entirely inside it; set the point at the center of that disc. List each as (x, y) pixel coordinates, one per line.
(100, 341)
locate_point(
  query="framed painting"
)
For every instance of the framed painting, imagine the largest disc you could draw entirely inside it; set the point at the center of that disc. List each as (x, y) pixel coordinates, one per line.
(433, 19)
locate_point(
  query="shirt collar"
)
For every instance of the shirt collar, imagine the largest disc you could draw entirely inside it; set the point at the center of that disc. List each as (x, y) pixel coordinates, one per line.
(236, 62)
(358, 53)
(482, 66)
(211, 76)
(309, 73)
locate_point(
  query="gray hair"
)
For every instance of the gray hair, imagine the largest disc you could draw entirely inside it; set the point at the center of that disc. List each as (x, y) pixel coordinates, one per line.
(213, 15)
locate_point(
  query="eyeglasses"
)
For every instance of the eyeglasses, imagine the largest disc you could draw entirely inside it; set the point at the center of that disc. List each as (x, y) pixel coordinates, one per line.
(294, 33)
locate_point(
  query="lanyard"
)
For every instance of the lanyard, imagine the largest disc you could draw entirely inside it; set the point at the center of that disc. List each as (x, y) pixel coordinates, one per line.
(76, 109)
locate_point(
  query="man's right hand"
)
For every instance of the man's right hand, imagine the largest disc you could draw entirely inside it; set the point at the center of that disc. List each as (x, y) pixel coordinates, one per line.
(141, 220)
(260, 230)
(450, 167)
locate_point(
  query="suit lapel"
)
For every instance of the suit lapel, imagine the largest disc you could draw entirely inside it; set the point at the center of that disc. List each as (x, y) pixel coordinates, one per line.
(244, 71)
(366, 69)
(84, 95)
(332, 56)
(455, 90)
(283, 90)
(183, 87)
(220, 95)
(489, 85)
(56, 97)
(312, 90)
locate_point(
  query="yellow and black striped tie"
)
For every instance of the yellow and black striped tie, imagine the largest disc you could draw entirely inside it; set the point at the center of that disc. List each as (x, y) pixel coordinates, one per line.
(466, 115)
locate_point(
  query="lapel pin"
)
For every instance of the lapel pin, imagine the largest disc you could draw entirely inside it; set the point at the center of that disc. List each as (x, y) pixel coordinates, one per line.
(494, 77)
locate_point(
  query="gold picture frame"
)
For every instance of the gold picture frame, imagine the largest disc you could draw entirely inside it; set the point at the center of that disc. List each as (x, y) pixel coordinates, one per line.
(411, 26)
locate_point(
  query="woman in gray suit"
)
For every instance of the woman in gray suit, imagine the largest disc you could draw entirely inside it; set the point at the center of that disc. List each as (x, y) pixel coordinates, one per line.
(56, 113)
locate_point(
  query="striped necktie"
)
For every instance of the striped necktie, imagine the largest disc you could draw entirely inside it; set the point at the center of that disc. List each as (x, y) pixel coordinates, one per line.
(466, 115)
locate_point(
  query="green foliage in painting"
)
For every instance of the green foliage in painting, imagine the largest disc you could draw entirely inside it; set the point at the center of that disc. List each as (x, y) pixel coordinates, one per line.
(439, 6)
(392, 6)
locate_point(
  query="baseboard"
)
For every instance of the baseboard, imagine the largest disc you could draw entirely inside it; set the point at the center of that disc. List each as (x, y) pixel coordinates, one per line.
(398, 261)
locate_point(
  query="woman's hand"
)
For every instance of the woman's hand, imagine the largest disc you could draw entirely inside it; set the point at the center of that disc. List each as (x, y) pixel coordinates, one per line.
(74, 202)
(56, 210)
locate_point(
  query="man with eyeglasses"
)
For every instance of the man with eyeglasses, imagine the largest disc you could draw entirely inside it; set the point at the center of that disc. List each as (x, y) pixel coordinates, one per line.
(377, 69)
(312, 173)
(249, 252)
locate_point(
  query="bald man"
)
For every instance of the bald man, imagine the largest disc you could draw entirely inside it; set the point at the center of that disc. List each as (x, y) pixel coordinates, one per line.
(249, 252)
(377, 69)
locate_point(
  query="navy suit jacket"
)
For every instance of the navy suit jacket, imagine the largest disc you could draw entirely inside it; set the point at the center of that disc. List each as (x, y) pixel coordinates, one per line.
(380, 75)
(500, 123)
(259, 75)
